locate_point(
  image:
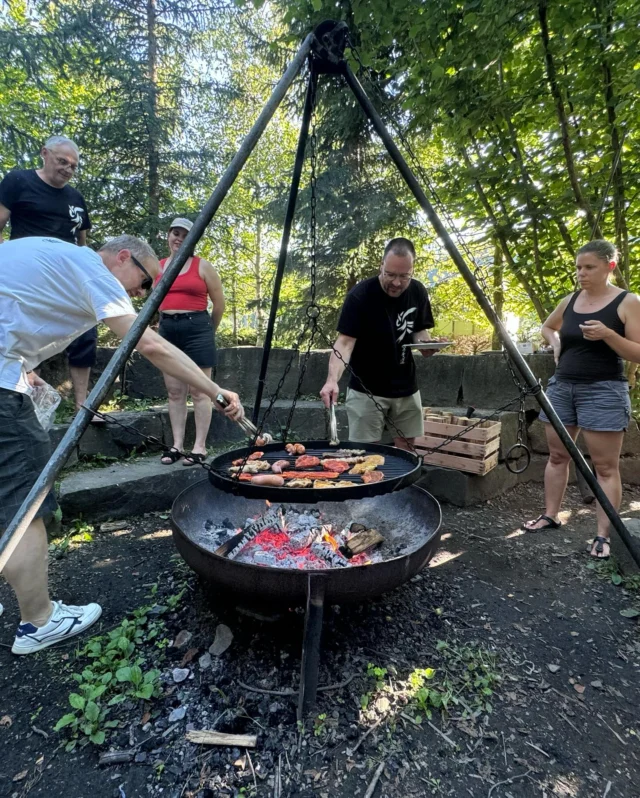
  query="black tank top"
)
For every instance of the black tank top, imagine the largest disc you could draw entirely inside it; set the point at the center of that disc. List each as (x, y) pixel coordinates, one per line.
(589, 361)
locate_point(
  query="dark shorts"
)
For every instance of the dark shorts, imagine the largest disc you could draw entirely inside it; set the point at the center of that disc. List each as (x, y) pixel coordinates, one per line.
(82, 351)
(193, 334)
(598, 406)
(24, 452)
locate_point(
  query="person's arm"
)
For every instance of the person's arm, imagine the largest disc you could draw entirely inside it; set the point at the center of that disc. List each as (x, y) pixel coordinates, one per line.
(551, 328)
(344, 345)
(170, 360)
(81, 238)
(215, 290)
(5, 213)
(627, 346)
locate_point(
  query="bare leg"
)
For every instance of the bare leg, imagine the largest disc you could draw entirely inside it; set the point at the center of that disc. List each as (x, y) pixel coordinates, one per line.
(177, 393)
(27, 573)
(404, 443)
(80, 382)
(202, 409)
(604, 448)
(556, 475)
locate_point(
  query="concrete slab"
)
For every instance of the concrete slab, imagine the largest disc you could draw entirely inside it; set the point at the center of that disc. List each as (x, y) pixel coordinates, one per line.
(461, 489)
(125, 489)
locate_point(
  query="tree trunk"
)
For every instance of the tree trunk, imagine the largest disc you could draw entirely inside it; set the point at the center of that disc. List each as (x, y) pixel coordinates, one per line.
(498, 292)
(500, 235)
(561, 112)
(153, 225)
(257, 263)
(619, 204)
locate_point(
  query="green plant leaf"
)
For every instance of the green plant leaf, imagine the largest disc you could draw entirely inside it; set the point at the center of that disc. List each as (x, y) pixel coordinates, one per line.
(117, 699)
(616, 579)
(92, 711)
(123, 674)
(65, 720)
(97, 738)
(76, 701)
(630, 612)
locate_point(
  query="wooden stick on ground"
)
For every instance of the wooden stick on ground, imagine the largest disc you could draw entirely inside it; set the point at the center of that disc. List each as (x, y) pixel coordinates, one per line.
(374, 780)
(206, 737)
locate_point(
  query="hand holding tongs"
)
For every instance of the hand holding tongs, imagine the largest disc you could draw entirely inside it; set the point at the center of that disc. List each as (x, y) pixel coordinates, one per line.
(247, 426)
(333, 426)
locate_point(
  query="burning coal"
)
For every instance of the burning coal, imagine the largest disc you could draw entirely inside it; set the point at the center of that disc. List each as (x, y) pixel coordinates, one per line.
(282, 538)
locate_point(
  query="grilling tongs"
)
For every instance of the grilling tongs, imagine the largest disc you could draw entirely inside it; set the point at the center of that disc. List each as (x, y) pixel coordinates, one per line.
(246, 425)
(333, 426)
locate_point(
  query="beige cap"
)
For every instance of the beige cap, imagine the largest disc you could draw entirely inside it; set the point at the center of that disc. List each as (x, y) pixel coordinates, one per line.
(181, 222)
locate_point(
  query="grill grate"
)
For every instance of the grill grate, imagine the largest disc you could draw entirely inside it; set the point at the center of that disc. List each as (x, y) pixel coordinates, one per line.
(400, 469)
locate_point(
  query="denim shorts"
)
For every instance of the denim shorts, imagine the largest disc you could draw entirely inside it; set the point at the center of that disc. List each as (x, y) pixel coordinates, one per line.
(24, 451)
(193, 334)
(598, 406)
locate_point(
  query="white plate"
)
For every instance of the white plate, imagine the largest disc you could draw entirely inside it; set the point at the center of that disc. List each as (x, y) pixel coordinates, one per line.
(429, 345)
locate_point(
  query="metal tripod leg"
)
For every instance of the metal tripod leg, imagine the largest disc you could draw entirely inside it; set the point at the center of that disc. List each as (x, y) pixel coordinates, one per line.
(309, 672)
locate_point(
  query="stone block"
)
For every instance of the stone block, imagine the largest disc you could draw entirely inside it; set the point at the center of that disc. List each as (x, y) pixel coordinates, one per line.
(630, 443)
(146, 422)
(143, 380)
(316, 374)
(96, 440)
(239, 368)
(309, 420)
(124, 489)
(440, 378)
(56, 434)
(630, 470)
(461, 489)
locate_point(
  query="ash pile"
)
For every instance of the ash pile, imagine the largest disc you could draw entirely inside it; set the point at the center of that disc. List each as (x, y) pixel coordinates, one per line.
(287, 538)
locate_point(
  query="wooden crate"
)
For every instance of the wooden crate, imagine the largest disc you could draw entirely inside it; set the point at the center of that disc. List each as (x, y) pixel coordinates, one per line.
(475, 451)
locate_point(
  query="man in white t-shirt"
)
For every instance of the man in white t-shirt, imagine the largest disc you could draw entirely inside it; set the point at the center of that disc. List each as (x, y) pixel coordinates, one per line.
(51, 292)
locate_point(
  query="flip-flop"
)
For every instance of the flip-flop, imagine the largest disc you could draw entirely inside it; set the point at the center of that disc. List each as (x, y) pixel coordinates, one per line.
(599, 540)
(171, 455)
(194, 458)
(551, 524)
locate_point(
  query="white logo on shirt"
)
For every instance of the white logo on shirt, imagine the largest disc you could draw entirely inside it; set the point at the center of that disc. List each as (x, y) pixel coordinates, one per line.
(76, 216)
(404, 325)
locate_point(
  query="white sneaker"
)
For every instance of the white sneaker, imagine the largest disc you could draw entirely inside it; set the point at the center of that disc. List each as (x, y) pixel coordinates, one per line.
(66, 621)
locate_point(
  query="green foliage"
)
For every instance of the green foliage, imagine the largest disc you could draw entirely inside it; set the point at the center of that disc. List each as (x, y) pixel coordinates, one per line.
(465, 677)
(78, 532)
(118, 671)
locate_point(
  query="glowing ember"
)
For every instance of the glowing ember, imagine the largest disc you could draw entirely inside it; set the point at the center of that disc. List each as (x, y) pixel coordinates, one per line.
(301, 540)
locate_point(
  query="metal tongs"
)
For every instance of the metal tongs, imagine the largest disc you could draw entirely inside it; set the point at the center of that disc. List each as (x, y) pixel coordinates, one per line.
(247, 426)
(333, 426)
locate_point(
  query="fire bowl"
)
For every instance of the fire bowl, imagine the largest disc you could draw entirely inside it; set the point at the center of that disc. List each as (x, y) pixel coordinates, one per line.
(409, 520)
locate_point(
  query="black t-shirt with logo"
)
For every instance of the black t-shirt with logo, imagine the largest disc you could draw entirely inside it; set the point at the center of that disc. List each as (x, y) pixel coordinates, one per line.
(38, 209)
(382, 324)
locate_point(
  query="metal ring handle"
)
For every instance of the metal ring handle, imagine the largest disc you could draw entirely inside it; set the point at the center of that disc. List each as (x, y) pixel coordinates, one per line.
(509, 458)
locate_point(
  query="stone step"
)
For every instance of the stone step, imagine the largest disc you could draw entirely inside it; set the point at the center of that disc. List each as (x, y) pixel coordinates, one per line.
(125, 489)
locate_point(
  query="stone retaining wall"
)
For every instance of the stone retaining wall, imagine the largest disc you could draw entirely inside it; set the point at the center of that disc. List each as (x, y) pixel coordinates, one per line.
(444, 380)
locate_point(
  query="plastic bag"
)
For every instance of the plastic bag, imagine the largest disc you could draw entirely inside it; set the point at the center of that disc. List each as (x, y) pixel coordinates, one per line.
(45, 401)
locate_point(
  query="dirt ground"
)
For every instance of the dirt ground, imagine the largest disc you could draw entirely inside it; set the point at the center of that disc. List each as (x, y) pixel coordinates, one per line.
(540, 668)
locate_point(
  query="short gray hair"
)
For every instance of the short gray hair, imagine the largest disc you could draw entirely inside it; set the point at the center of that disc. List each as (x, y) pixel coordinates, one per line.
(602, 249)
(56, 141)
(138, 248)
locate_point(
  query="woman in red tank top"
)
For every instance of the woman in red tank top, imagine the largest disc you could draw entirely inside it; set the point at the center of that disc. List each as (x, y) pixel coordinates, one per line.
(186, 323)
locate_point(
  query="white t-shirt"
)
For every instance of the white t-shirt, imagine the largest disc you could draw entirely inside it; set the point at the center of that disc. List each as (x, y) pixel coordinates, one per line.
(50, 293)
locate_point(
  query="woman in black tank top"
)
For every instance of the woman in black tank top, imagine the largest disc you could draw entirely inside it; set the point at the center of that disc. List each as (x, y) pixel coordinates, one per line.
(592, 332)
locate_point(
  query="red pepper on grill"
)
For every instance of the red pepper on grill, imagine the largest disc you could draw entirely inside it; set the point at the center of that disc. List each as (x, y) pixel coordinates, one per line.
(310, 474)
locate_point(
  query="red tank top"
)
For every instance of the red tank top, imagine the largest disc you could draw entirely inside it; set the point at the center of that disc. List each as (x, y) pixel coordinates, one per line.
(189, 290)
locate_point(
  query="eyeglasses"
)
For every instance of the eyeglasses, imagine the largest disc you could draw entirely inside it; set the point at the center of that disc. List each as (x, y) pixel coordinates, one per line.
(147, 283)
(401, 278)
(65, 163)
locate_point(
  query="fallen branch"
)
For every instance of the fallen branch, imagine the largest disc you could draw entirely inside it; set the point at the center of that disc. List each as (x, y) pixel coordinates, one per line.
(115, 757)
(206, 737)
(290, 692)
(531, 745)
(613, 731)
(606, 789)
(351, 751)
(573, 725)
(374, 780)
(253, 773)
(442, 734)
(508, 781)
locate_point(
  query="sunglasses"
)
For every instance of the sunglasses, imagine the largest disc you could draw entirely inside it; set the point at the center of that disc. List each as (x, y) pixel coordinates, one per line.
(147, 283)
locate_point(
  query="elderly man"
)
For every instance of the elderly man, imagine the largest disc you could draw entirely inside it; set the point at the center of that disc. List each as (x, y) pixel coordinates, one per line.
(380, 316)
(39, 202)
(50, 292)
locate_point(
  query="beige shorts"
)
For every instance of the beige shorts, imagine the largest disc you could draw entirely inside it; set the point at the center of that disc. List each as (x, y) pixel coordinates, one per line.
(367, 423)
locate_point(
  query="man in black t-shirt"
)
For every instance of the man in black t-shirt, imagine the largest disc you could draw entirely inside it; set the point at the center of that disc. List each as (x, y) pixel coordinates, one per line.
(39, 202)
(380, 316)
